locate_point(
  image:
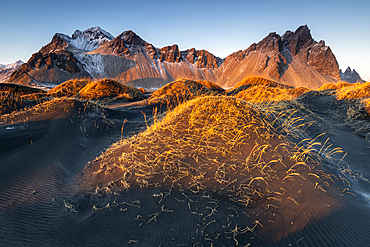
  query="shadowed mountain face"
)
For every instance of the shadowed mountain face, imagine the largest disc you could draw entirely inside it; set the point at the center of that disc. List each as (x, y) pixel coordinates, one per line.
(350, 76)
(294, 58)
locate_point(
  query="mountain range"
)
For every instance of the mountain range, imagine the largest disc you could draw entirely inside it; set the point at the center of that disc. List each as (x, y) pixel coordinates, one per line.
(294, 58)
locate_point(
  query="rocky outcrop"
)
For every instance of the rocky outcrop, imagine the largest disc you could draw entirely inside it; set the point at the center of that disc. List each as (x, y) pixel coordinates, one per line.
(298, 40)
(202, 58)
(350, 76)
(314, 53)
(170, 54)
(61, 61)
(58, 42)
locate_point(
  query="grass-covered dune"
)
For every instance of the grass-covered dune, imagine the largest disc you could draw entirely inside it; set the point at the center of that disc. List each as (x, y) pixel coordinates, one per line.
(225, 148)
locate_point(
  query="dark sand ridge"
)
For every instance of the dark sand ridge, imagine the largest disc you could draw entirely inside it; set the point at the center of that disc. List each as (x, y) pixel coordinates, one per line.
(204, 147)
(346, 125)
(36, 208)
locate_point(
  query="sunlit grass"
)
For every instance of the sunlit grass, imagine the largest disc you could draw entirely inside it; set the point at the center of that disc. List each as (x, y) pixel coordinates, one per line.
(10, 102)
(335, 86)
(69, 88)
(354, 91)
(182, 90)
(260, 94)
(260, 81)
(107, 88)
(209, 142)
(244, 153)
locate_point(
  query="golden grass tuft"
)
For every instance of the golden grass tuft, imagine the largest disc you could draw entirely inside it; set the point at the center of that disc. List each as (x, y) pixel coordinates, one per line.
(52, 109)
(69, 88)
(11, 102)
(261, 93)
(299, 91)
(181, 90)
(226, 148)
(209, 142)
(25, 92)
(335, 86)
(107, 88)
(259, 81)
(142, 90)
(354, 91)
(18, 89)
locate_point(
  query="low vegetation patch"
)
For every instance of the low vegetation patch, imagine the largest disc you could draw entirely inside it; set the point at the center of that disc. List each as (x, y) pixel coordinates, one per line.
(11, 102)
(354, 91)
(260, 94)
(256, 81)
(224, 147)
(180, 91)
(110, 89)
(69, 88)
(335, 86)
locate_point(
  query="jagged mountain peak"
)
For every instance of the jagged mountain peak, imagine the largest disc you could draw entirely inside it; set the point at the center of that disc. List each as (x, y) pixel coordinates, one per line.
(11, 65)
(93, 33)
(81, 41)
(15, 64)
(271, 42)
(350, 75)
(303, 30)
(297, 40)
(131, 38)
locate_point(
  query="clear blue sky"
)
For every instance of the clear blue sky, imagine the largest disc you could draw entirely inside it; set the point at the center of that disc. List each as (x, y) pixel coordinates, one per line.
(221, 27)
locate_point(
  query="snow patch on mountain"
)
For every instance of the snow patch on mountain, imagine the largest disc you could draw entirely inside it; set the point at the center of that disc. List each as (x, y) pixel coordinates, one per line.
(104, 66)
(85, 41)
(92, 64)
(90, 39)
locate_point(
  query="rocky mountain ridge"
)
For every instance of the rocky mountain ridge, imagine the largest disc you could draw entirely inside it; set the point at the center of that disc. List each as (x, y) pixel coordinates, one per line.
(294, 58)
(350, 75)
(7, 70)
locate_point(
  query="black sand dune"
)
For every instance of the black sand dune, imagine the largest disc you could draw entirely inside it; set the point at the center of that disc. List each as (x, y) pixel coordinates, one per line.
(38, 160)
(43, 159)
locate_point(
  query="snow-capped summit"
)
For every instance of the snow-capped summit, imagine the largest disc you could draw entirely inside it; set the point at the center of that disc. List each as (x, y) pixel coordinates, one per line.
(7, 70)
(90, 39)
(11, 65)
(95, 33)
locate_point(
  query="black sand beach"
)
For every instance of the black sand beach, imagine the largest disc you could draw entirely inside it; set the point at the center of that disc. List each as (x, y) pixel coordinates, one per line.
(44, 162)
